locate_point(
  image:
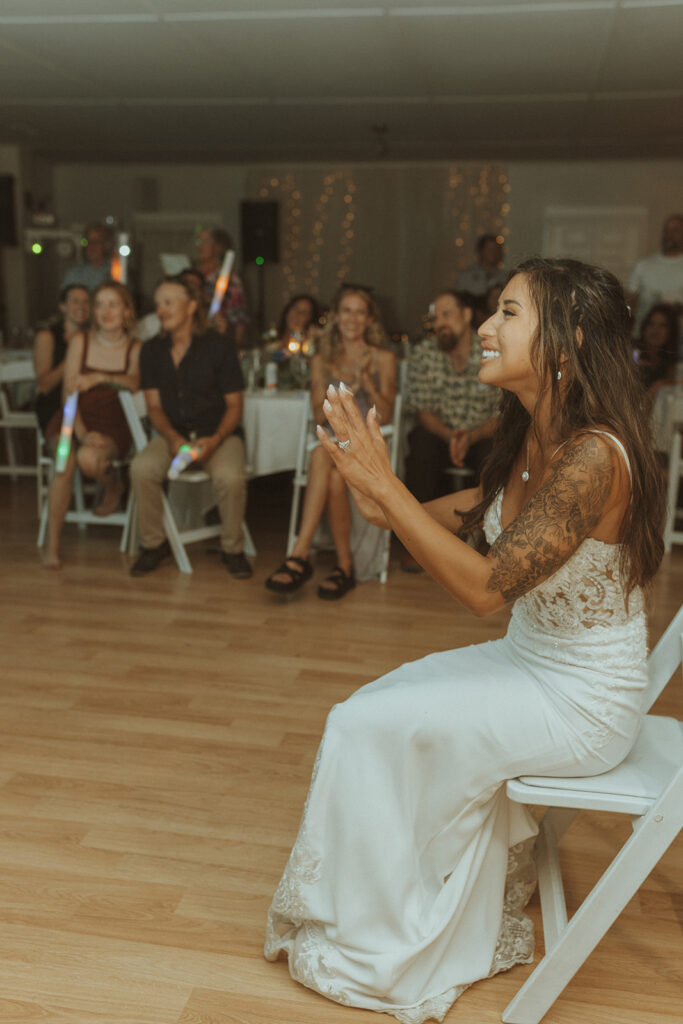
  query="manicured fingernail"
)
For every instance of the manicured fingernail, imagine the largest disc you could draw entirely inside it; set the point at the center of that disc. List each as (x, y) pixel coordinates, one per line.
(374, 411)
(343, 388)
(332, 391)
(327, 407)
(320, 431)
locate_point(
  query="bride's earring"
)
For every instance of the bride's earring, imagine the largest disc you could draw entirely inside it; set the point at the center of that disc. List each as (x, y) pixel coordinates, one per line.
(559, 374)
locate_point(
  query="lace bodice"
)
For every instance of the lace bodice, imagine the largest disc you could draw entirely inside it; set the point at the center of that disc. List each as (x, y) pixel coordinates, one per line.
(580, 612)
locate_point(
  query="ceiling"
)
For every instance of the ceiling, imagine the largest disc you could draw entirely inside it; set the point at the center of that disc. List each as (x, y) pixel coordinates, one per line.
(267, 80)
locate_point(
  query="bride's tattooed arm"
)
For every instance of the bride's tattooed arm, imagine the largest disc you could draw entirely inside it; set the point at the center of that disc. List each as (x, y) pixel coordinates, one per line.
(556, 520)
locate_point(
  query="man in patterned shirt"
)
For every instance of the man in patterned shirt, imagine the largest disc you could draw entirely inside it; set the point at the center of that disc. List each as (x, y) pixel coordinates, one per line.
(456, 415)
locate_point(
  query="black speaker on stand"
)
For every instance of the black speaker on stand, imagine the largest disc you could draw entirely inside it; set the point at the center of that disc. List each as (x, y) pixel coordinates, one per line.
(260, 244)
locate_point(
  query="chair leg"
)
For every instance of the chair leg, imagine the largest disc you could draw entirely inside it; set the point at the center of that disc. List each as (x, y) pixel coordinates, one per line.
(173, 537)
(39, 474)
(42, 528)
(79, 497)
(128, 525)
(293, 517)
(11, 454)
(249, 548)
(599, 910)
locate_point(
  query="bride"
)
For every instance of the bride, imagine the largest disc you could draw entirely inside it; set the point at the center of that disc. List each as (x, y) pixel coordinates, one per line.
(411, 869)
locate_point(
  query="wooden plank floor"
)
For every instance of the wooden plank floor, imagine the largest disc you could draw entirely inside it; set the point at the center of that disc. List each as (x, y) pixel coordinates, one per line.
(157, 737)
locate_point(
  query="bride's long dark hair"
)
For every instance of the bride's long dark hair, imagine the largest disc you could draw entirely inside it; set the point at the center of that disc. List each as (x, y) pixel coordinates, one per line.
(584, 325)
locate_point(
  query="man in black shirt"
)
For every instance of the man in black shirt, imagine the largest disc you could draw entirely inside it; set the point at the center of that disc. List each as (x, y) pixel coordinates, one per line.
(193, 388)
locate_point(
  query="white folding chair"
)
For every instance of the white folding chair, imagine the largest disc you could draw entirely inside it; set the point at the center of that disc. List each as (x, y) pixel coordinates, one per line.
(18, 372)
(648, 785)
(672, 535)
(80, 514)
(178, 536)
(307, 442)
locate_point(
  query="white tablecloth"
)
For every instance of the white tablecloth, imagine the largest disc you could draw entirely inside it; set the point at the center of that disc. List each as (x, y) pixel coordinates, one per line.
(667, 411)
(16, 365)
(272, 427)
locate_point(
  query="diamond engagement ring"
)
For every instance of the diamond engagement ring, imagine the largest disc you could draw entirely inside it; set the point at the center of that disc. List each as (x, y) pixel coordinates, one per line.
(344, 445)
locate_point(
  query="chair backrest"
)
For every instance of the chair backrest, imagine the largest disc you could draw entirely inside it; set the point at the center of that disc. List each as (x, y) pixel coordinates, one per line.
(402, 375)
(392, 431)
(664, 660)
(16, 370)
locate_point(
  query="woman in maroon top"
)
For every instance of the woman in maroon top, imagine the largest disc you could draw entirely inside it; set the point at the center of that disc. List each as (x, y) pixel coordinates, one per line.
(98, 363)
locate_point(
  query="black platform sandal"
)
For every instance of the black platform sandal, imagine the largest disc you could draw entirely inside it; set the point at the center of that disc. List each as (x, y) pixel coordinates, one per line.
(298, 573)
(343, 582)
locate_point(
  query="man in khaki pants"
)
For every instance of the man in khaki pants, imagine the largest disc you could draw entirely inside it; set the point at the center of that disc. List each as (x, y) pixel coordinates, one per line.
(193, 388)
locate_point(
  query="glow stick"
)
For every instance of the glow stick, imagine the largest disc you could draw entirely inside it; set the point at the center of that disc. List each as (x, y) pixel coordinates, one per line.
(187, 454)
(66, 433)
(222, 283)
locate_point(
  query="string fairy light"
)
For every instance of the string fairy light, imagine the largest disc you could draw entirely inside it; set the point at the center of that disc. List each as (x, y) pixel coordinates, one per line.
(478, 199)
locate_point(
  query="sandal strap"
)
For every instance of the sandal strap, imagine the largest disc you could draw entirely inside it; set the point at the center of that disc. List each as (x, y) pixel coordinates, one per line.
(338, 575)
(295, 571)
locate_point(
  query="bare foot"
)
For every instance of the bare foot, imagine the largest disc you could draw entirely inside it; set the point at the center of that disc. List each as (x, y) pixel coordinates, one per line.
(110, 500)
(51, 561)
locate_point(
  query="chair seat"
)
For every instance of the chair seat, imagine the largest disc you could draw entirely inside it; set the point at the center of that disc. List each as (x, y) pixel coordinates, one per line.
(19, 418)
(631, 787)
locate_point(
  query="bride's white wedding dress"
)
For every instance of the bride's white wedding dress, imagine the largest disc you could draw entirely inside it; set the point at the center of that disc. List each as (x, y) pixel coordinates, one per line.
(411, 868)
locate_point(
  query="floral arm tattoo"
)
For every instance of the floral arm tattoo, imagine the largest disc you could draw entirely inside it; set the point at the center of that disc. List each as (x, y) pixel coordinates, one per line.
(555, 521)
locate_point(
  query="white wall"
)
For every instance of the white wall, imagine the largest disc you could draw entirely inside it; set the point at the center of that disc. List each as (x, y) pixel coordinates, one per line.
(12, 268)
(83, 191)
(656, 185)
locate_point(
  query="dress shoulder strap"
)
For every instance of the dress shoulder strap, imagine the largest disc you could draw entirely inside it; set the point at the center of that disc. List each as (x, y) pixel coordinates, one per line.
(84, 353)
(605, 433)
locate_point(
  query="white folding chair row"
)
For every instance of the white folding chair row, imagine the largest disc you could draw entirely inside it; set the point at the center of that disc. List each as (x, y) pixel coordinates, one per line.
(18, 372)
(178, 536)
(308, 441)
(647, 785)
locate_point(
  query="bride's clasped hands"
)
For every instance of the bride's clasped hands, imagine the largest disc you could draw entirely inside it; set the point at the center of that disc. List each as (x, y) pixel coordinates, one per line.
(359, 452)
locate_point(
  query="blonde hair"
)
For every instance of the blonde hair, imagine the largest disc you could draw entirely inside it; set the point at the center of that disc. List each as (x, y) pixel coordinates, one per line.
(330, 338)
(129, 315)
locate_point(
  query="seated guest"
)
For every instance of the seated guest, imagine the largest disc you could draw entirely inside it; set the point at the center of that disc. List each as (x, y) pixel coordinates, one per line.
(193, 388)
(297, 318)
(95, 267)
(486, 271)
(98, 363)
(49, 350)
(296, 337)
(232, 317)
(149, 325)
(353, 353)
(456, 414)
(657, 350)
